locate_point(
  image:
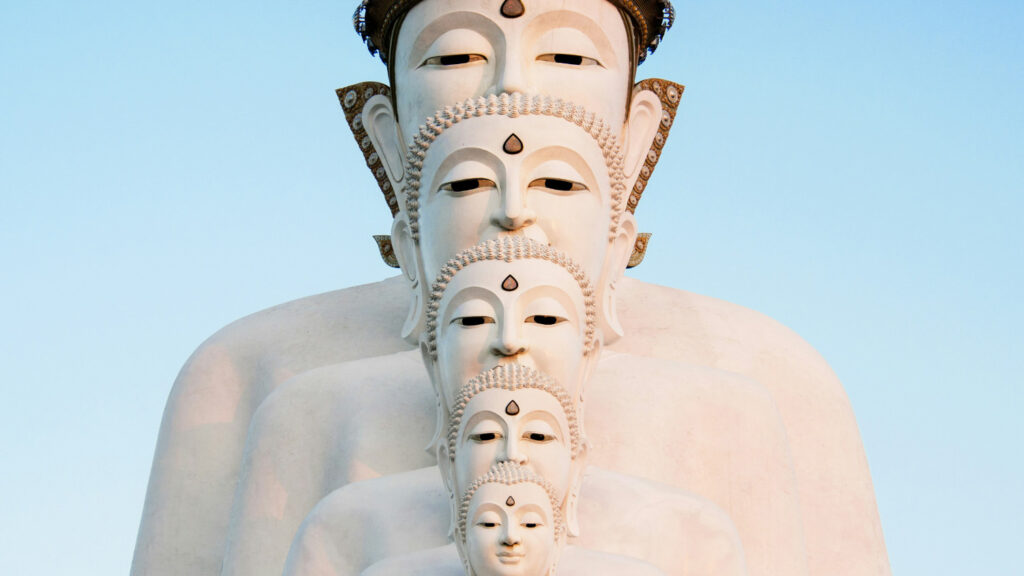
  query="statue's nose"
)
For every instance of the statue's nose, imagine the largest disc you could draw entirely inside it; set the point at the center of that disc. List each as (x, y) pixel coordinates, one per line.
(513, 213)
(511, 75)
(509, 342)
(513, 453)
(510, 537)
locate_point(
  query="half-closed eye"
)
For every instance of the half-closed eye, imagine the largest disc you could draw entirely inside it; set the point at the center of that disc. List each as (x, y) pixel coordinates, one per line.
(538, 437)
(453, 60)
(470, 321)
(568, 59)
(467, 185)
(545, 320)
(558, 185)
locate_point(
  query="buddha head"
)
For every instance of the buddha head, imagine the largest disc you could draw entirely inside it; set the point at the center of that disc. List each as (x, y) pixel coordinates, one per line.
(515, 165)
(438, 53)
(508, 524)
(515, 414)
(511, 300)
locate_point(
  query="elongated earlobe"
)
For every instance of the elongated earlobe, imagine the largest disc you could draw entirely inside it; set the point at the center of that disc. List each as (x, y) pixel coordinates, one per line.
(619, 251)
(439, 439)
(641, 128)
(378, 119)
(411, 263)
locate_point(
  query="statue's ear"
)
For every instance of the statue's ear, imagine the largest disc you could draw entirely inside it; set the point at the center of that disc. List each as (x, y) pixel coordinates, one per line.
(444, 464)
(409, 261)
(640, 130)
(572, 499)
(434, 373)
(381, 127)
(619, 252)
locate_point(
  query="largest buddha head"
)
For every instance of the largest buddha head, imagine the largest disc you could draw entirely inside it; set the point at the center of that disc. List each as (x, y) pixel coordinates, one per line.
(443, 51)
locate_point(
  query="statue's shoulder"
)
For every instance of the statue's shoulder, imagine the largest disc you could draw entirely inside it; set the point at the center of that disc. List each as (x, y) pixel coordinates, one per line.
(671, 323)
(332, 327)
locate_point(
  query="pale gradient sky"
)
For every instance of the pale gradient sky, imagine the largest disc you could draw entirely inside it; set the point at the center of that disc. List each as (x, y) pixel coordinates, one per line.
(852, 169)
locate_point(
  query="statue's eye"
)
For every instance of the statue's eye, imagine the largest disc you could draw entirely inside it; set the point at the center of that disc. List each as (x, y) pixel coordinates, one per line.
(470, 321)
(485, 437)
(558, 185)
(538, 437)
(530, 524)
(453, 59)
(568, 59)
(545, 320)
(467, 185)
(487, 524)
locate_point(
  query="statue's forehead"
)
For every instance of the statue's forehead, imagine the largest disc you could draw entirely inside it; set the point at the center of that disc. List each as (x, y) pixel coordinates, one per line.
(488, 276)
(534, 131)
(524, 494)
(527, 400)
(596, 17)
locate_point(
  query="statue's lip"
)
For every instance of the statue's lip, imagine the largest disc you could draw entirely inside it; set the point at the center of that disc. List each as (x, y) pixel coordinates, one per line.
(510, 557)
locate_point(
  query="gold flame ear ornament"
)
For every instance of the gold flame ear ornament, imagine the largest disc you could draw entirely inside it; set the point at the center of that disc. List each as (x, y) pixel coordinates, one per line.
(510, 501)
(509, 284)
(512, 408)
(387, 251)
(512, 145)
(639, 249)
(512, 8)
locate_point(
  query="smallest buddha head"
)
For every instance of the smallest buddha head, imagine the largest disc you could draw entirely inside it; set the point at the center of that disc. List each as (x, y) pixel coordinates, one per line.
(509, 524)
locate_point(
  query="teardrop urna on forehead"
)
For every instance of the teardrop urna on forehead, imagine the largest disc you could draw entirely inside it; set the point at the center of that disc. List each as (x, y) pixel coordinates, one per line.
(512, 144)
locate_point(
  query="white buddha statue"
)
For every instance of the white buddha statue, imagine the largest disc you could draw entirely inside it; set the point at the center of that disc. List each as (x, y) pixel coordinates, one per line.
(504, 307)
(256, 389)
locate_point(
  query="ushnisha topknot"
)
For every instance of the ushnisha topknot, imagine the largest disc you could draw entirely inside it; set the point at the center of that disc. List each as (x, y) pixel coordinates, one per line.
(509, 473)
(513, 377)
(509, 248)
(378, 21)
(514, 105)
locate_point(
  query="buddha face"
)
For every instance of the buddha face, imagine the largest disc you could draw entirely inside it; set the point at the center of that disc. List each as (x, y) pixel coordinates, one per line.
(527, 426)
(577, 50)
(556, 190)
(510, 531)
(527, 311)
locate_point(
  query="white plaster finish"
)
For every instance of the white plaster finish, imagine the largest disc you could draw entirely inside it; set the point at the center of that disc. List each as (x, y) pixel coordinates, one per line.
(513, 55)
(353, 528)
(197, 464)
(324, 428)
(200, 447)
(550, 286)
(444, 561)
(510, 192)
(746, 462)
(509, 524)
(198, 455)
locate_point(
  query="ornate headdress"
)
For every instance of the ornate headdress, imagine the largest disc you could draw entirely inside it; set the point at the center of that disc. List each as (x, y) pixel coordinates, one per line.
(378, 21)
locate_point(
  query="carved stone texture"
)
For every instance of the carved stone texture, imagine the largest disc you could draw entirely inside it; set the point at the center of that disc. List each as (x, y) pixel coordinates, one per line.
(669, 93)
(352, 99)
(639, 249)
(387, 251)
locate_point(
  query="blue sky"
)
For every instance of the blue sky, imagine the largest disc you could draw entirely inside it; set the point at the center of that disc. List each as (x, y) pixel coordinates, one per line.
(854, 170)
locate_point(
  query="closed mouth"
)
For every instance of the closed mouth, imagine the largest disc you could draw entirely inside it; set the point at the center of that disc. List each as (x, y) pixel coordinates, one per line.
(509, 557)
